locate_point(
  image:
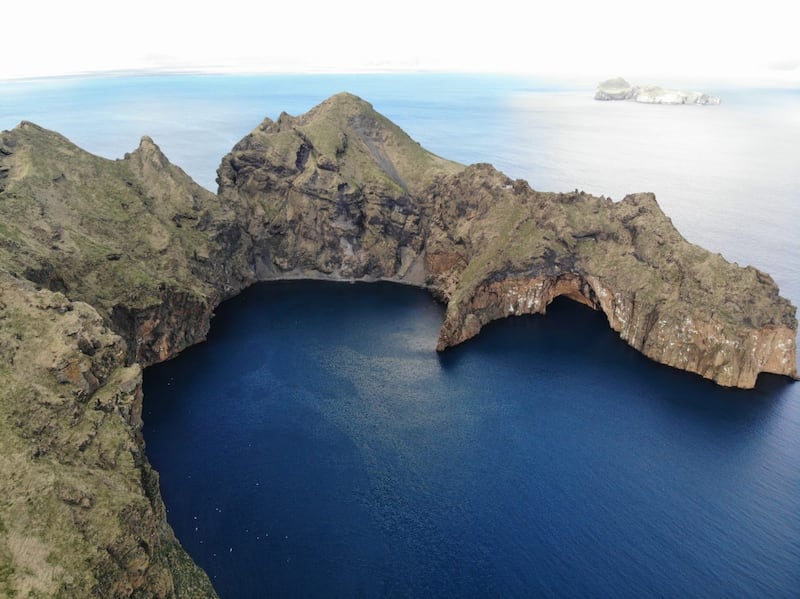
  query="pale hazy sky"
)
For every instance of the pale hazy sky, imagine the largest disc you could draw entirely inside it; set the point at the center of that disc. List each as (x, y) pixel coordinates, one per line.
(692, 39)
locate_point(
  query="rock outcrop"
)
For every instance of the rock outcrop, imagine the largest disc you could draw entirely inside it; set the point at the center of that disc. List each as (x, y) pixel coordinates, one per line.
(334, 194)
(619, 89)
(337, 192)
(671, 300)
(105, 267)
(109, 266)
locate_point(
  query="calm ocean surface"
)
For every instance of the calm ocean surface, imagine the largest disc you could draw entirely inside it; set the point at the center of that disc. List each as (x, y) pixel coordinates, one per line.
(317, 446)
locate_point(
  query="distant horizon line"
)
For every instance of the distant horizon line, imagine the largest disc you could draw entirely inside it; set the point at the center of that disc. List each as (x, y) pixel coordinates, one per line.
(573, 78)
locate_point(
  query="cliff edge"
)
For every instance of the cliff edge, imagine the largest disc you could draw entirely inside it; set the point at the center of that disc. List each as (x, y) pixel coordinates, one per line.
(106, 266)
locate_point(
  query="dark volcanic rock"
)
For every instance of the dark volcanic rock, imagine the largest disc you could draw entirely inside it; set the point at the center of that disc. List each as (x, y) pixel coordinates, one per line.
(334, 193)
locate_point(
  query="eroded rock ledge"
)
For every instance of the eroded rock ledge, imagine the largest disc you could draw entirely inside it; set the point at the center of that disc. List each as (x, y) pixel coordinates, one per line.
(109, 266)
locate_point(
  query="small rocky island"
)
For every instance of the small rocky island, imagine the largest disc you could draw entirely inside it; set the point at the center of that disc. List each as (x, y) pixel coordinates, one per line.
(619, 89)
(108, 266)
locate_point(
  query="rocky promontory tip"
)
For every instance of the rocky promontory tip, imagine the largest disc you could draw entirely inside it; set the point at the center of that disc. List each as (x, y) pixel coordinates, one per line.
(619, 89)
(108, 266)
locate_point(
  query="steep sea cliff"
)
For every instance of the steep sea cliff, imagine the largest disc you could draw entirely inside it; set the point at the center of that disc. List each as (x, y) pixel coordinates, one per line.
(342, 193)
(109, 266)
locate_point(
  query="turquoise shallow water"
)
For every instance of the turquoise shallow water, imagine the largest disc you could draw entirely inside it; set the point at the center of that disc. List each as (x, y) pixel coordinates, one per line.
(317, 446)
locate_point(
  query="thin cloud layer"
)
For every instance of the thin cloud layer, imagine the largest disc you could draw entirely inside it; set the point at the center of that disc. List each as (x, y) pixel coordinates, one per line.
(681, 38)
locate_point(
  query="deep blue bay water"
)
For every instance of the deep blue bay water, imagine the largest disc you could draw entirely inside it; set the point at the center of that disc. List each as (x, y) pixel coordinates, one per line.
(317, 446)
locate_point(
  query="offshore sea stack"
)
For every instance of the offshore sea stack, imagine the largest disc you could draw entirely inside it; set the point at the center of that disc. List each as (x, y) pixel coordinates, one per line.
(108, 266)
(619, 89)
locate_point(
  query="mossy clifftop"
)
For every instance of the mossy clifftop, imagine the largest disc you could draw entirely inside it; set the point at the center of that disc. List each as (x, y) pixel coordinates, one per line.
(105, 266)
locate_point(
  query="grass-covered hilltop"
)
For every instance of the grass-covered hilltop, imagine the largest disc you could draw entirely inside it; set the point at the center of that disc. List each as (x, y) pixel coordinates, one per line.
(108, 266)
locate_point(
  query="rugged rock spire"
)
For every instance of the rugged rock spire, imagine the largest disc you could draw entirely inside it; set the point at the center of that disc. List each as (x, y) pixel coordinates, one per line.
(335, 192)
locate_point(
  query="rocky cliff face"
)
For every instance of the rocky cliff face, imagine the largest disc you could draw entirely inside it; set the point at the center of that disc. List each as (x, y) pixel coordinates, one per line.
(491, 247)
(81, 510)
(671, 300)
(135, 238)
(109, 266)
(336, 192)
(105, 267)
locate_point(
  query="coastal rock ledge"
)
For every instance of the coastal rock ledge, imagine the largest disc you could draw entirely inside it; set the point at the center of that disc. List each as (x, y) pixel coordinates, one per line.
(108, 266)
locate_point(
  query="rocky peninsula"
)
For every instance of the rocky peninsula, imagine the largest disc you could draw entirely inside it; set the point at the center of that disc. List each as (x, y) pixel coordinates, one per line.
(108, 266)
(619, 89)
